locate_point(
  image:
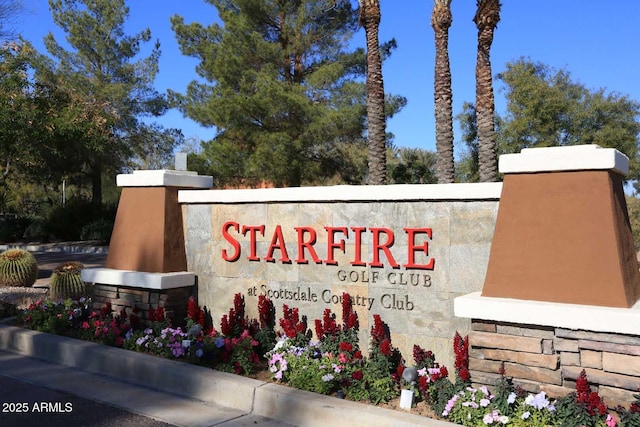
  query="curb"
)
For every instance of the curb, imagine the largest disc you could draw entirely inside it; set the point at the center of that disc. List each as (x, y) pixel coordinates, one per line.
(62, 247)
(285, 404)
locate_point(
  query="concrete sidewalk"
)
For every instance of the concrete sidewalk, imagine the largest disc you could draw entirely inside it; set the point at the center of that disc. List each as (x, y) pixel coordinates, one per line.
(178, 393)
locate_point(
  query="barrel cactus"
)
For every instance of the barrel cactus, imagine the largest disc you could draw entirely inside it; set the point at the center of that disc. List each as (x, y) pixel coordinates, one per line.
(18, 268)
(66, 281)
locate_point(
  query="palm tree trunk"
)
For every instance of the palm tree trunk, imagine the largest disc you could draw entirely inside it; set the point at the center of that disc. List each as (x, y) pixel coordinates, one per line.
(486, 19)
(441, 20)
(370, 20)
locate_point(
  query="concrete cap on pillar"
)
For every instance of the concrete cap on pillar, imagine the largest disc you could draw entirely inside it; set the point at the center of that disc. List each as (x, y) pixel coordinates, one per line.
(568, 158)
(164, 178)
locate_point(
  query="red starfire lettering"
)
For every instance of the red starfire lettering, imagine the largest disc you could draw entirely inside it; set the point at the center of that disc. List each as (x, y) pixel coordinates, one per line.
(382, 242)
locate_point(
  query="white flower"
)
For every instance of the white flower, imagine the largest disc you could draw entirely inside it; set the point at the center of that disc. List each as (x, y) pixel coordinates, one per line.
(326, 378)
(511, 398)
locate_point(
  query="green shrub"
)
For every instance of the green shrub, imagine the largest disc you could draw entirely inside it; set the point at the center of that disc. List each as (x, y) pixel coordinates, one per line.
(12, 228)
(99, 229)
(36, 230)
(66, 281)
(17, 268)
(66, 222)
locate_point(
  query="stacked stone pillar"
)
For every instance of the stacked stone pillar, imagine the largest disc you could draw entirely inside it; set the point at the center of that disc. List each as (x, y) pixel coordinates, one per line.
(562, 282)
(146, 266)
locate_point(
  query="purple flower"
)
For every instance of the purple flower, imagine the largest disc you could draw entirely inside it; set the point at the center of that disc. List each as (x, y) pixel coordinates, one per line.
(219, 342)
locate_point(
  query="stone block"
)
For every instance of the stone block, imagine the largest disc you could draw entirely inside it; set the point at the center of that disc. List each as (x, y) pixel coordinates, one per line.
(555, 391)
(515, 370)
(529, 359)
(547, 347)
(603, 378)
(470, 263)
(598, 336)
(506, 342)
(526, 385)
(569, 358)
(562, 344)
(632, 350)
(483, 326)
(539, 375)
(532, 331)
(473, 223)
(590, 359)
(485, 378)
(491, 366)
(621, 364)
(614, 396)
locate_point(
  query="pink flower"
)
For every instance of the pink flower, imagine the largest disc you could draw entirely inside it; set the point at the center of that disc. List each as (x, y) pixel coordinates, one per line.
(85, 325)
(611, 422)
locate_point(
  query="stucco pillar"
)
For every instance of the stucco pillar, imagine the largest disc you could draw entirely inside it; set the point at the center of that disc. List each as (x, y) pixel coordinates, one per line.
(148, 233)
(562, 232)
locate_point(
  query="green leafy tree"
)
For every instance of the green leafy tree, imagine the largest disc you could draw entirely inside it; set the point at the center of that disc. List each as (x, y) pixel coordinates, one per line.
(412, 166)
(545, 107)
(10, 10)
(106, 89)
(279, 84)
(153, 146)
(467, 169)
(468, 164)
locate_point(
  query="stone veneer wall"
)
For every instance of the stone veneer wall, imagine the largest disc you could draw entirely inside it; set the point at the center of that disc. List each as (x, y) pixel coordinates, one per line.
(460, 245)
(549, 359)
(174, 301)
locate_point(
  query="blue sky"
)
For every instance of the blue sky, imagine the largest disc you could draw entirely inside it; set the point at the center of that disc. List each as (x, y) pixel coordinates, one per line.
(595, 41)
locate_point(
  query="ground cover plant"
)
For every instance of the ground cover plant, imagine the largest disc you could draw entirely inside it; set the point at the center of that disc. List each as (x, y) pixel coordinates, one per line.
(329, 362)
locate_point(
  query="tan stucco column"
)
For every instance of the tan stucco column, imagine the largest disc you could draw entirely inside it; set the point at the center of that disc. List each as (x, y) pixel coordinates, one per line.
(562, 232)
(148, 234)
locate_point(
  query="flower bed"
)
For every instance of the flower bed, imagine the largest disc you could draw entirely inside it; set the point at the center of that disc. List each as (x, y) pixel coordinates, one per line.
(332, 364)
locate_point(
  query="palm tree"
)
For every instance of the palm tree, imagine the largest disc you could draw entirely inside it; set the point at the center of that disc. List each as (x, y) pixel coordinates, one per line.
(370, 20)
(441, 21)
(486, 19)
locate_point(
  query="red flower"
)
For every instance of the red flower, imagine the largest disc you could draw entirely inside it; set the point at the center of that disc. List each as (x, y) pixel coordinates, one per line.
(444, 372)
(385, 347)
(319, 329)
(461, 350)
(582, 384)
(106, 309)
(290, 323)
(423, 384)
(464, 374)
(267, 312)
(192, 312)
(225, 327)
(378, 332)
(345, 346)
(349, 316)
(357, 375)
